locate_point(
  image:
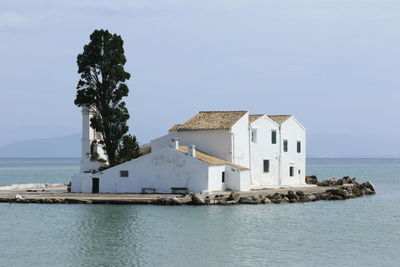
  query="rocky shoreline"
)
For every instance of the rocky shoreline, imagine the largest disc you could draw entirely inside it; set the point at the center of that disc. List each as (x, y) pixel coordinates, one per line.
(330, 189)
(341, 189)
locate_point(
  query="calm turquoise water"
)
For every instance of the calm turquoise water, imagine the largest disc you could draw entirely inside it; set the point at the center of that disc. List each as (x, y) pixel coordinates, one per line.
(355, 232)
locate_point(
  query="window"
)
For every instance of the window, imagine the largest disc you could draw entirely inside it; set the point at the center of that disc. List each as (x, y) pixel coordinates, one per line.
(266, 165)
(285, 145)
(298, 146)
(223, 177)
(299, 171)
(123, 173)
(254, 136)
(273, 136)
(291, 171)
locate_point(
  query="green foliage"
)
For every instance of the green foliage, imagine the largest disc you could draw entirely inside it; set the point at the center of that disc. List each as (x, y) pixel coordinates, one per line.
(128, 149)
(101, 87)
(103, 168)
(94, 156)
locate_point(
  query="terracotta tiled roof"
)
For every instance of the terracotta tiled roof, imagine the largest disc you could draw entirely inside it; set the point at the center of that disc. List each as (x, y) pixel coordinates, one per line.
(253, 117)
(212, 120)
(210, 160)
(279, 119)
(174, 128)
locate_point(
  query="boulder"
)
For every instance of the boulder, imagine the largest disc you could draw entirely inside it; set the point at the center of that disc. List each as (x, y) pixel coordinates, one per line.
(326, 196)
(234, 196)
(226, 202)
(187, 199)
(210, 201)
(181, 200)
(349, 189)
(266, 200)
(369, 185)
(345, 180)
(250, 200)
(198, 199)
(292, 197)
(312, 198)
(327, 182)
(305, 197)
(275, 198)
(367, 191)
(337, 197)
(285, 200)
(311, 179)
(318, 196)
(356, 190)
(162, 201)
(342, 193)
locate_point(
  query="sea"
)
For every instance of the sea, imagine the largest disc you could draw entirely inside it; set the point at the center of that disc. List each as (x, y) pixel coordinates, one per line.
(356, 232)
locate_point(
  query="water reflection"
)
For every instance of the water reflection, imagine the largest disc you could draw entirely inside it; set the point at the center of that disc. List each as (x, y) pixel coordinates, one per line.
(108, 235)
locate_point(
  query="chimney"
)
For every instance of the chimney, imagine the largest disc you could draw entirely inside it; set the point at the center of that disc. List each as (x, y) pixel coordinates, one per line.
(175, 143)
(192, 151)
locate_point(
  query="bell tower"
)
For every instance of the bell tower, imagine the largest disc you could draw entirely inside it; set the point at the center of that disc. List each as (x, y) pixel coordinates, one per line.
(86, 139)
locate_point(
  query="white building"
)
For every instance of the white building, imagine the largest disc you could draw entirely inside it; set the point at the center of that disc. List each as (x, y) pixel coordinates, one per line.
(212, 151)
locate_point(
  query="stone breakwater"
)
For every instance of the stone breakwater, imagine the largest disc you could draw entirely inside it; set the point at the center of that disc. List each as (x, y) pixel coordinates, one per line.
(330, 189)
(341, 189)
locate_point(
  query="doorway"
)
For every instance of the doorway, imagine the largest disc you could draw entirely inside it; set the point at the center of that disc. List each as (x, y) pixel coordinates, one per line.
(95, 185)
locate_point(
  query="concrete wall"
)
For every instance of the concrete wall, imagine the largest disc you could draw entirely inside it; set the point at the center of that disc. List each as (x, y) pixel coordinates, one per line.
(292, 131)
(263, 149)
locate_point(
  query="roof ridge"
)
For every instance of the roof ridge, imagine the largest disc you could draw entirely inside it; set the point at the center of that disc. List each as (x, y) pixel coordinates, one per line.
(212, 120)
(254, 117)
(279, 119)
(217, 111)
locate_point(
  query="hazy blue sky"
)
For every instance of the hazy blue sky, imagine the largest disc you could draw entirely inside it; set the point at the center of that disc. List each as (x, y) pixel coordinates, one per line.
(334, 64)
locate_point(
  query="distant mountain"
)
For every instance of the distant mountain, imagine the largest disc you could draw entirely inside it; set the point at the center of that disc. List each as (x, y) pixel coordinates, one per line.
(17, 134)
(65, 146)
(318, 145)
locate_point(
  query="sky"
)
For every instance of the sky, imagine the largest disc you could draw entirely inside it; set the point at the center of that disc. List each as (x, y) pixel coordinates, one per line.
(333, 64)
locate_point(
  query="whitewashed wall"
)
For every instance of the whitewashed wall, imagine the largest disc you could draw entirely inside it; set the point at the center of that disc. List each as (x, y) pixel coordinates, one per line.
(236, 179)
(263, 149)
(88, 135)
(215, 178)
(160, 170)
(293, 132)
(163, 141)
(216, 143)
(240, 136)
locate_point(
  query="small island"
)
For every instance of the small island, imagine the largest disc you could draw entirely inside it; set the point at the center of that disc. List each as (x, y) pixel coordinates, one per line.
(330, 189)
